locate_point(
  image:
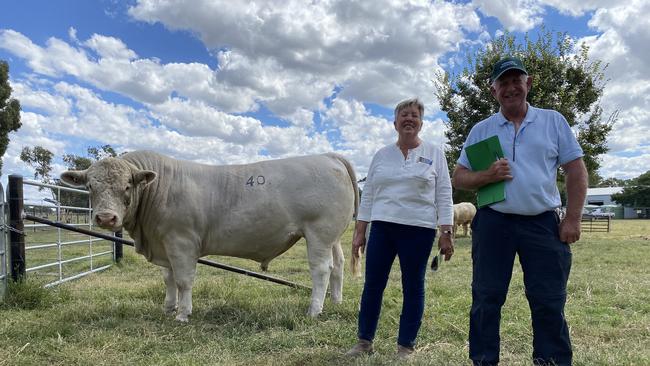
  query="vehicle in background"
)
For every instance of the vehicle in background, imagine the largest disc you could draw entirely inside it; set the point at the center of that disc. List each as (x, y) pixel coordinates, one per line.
(597, 212)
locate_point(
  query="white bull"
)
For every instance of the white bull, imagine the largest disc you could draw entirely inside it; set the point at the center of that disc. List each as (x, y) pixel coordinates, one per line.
(177, 211)
(463, 215)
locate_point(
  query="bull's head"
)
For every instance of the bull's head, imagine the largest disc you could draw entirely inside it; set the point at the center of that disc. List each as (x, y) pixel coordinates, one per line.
(115, 186)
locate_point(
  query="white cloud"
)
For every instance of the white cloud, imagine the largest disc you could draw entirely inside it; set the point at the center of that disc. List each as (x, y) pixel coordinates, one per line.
(518, 15)
(625, 36)
(622, 45)
(292, 141)
(197, 119)
(627, 167)
(629, 133)
(578, 7)
(302, 117)
(288, 56)
(292, 54)
(34, 98)
(184, 129)
(23, 47)
(109, 47)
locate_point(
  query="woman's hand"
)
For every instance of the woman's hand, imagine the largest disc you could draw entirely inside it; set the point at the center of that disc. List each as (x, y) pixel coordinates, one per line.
(358, 244)
(359, 238)
(446, 246)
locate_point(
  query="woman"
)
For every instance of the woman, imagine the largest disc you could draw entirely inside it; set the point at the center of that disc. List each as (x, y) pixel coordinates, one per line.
(406, 195)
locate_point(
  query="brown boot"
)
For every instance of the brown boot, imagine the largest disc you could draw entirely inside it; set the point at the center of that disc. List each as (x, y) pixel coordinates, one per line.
(404, 352)
(363, 347)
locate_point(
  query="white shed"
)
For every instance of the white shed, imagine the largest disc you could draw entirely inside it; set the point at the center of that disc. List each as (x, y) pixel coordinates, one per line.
(603, 196)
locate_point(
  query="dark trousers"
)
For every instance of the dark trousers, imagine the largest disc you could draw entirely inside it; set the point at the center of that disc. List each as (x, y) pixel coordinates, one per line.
(412, 244)
(545, 261)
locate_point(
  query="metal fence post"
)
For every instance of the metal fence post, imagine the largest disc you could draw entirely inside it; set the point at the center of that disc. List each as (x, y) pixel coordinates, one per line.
(3, 244)
(118, 248)
(16, 234)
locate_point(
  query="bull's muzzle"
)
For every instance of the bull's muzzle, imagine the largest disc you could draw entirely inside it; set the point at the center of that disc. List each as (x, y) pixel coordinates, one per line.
(106, 219)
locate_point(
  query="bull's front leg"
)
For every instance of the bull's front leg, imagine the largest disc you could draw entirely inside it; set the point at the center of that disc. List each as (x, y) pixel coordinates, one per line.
(184, 276)
(183, 257)
(171, 291)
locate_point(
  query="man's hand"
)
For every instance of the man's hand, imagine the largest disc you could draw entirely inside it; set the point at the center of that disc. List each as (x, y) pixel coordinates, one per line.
(466, 179)
(575, 178)
(446, 246)
(500, 170)
(570, 230)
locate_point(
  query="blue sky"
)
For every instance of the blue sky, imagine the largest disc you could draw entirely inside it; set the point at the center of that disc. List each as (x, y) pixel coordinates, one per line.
(227, 82)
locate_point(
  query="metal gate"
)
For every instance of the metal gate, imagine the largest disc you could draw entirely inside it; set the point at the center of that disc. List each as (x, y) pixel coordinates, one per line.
(52, 254)
(3, 244)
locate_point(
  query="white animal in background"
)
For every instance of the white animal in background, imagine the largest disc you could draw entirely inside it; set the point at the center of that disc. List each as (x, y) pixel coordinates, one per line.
(463, 215)
(178, 211)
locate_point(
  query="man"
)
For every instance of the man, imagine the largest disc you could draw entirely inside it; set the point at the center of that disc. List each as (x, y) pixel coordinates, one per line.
(535, 143)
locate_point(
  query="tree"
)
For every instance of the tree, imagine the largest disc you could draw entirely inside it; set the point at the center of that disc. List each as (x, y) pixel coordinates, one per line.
(9, 110)
(101, 152)
(636, 193)
(40, 159)
(76, 162)
(566, 82)
(613, 182)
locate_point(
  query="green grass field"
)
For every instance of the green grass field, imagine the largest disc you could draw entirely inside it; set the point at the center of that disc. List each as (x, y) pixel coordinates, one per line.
(115, 317)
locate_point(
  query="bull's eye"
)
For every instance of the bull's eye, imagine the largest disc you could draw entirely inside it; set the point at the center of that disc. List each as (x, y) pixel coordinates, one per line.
(127, 201)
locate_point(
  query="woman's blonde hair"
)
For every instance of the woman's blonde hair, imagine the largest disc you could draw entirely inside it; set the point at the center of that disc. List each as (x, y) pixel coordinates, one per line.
(409, 103)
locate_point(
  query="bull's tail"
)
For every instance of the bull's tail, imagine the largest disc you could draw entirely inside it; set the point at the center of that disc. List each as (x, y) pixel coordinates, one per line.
(355, 264)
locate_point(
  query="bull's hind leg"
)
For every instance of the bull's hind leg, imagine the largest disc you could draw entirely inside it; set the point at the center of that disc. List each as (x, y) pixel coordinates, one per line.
(319, 254)
(171, 292)
(336, 277)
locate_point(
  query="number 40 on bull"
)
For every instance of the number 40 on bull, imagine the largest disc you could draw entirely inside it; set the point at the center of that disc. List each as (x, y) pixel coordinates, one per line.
(252, 180)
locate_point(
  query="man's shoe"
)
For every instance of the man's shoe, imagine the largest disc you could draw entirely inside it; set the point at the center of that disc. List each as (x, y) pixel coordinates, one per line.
(404, 352)
(363, 347)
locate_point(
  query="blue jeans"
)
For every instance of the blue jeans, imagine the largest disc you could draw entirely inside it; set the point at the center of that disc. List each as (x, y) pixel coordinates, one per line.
(545, 262)
(412, 244)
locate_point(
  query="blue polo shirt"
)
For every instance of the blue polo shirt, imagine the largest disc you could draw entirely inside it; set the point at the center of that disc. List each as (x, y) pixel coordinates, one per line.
(543, 143)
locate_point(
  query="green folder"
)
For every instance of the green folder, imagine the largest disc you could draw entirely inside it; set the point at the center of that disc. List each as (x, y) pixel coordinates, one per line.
(481, 155)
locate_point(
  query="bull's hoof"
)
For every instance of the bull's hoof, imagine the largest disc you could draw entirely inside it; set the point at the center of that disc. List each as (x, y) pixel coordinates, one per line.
(169, 310)
(183, 318)
(314, 312)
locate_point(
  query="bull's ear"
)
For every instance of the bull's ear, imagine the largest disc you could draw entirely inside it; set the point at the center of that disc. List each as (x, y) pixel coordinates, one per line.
(74, 178)
(144, 177)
